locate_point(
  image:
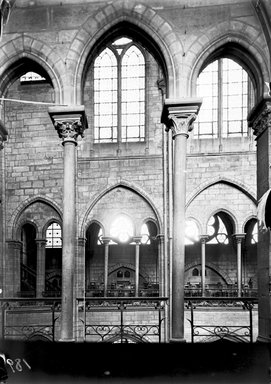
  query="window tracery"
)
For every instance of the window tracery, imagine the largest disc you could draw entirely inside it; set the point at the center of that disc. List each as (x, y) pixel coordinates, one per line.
(119, 93)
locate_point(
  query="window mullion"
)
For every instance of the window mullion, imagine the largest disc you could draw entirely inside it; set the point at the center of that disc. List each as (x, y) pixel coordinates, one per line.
(119, 109)
(220, 101)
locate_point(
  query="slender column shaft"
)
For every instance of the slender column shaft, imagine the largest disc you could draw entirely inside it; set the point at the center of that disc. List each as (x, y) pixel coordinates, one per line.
(203, 240)
(137, 268)
(239, 272)
(239, 238)
(179, 116)
(70, 122)
(161, 262)
(106, 258)
(40, 280)
(179, 189)
(68, 249)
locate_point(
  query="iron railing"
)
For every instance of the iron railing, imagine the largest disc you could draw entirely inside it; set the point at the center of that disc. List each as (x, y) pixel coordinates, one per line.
(204, 331)
(25, 329)
(122, 331)
(220, 292)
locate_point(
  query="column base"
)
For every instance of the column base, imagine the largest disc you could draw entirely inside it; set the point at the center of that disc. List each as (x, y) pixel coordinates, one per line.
(66, 340)
(177, 340)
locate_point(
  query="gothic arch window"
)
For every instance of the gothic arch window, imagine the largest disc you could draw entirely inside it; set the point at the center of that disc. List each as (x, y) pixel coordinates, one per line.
(119, 93)
(227, 93)
(220, 229)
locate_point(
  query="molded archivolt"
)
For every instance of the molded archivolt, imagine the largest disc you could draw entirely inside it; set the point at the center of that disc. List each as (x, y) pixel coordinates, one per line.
(35, 211)
(119, 199)
(29, 48)
(232, 182)
(223, 196)
(244, 46)
(155, 29)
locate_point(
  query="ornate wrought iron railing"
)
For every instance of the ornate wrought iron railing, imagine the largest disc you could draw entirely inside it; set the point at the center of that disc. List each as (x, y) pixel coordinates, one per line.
(25, 328)
(122, 331)
(204, 331)
(222, 292)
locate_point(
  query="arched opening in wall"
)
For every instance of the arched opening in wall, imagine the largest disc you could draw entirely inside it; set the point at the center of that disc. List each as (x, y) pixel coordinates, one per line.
(28, 261)
(221, 252)
(193, 281)
(249, 258)
(192, 254)
(53, 260)
(115, 264)
(94, 260)
(28, 122)
(227, 86)
(123, 78)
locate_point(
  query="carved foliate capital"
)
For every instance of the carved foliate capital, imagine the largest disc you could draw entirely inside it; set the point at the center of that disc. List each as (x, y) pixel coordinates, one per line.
(260, 117)
(70, 122)
(69, 129)
(181, 124)
(179, 115)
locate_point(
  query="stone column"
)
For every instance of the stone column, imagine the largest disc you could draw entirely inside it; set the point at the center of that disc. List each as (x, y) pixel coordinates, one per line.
(137, 240)
(40, 280)
(260, 121)
(203, 240)
(179, 115)
(161, 264)
(70, 122)
(106, 241)
(80, 268)
(239, 238)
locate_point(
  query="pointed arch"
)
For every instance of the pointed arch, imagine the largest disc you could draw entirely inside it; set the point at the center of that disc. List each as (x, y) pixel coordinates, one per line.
(213, 267)
(220, 179)
(230, 214)
(36, 52)
(123, 184)
(144, 23)
(234, 45)
(18, 212)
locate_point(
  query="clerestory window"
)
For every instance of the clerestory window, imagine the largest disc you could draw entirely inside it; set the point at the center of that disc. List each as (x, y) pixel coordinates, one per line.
(227, 94)
(119, 93)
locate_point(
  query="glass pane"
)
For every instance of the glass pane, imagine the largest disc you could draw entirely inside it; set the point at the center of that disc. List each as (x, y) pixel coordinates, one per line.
(235, 90)
(207, 87)
(105, 96)
(133, 94)
(53, 236)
